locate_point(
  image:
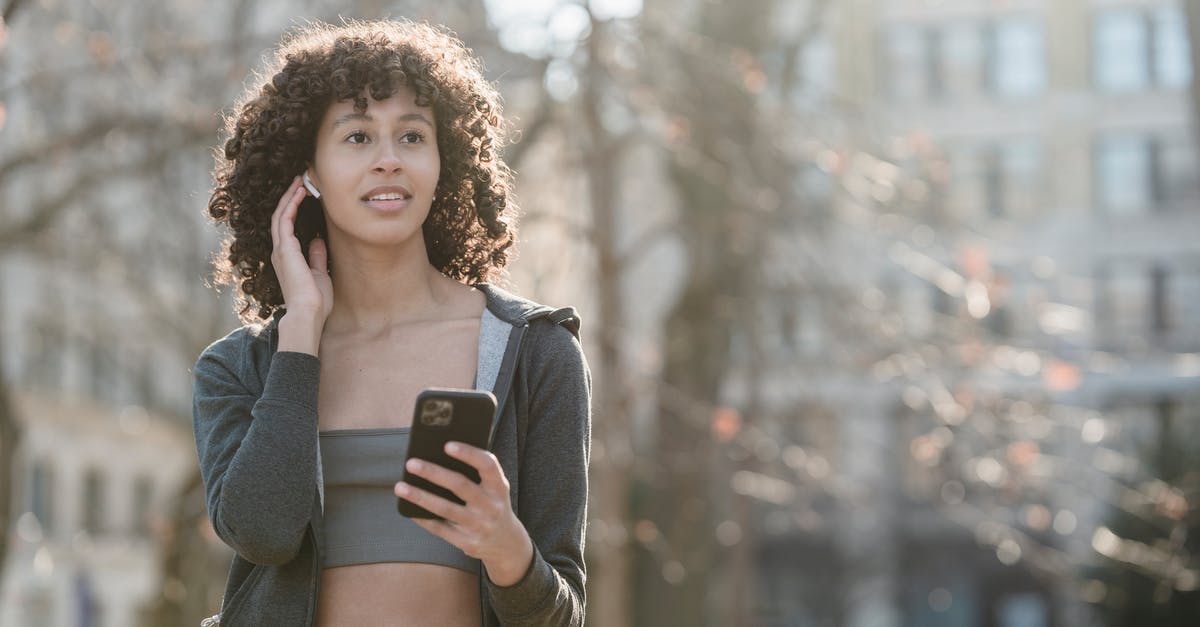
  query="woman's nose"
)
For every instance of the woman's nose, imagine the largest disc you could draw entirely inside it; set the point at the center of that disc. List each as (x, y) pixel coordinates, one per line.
(387, 159)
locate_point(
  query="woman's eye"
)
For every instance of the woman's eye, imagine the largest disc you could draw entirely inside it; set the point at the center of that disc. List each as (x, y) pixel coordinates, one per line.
(357, 137)
(413, 137)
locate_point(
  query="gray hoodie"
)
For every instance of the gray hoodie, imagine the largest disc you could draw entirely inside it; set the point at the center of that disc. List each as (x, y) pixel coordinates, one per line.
(255, 419)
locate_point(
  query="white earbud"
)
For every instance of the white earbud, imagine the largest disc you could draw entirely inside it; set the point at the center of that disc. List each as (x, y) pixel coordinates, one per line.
(312, 189)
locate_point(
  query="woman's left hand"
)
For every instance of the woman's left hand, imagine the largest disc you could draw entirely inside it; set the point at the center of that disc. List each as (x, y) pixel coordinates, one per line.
(484, 527)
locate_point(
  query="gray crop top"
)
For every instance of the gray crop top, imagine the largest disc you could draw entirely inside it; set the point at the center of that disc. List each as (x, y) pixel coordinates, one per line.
(361, 522)
(359, 468)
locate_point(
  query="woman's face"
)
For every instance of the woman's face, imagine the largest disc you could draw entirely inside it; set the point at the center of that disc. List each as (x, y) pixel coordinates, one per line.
(377, 171)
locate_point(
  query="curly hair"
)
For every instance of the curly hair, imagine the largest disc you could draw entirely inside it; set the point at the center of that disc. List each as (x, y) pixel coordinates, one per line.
(272, 137)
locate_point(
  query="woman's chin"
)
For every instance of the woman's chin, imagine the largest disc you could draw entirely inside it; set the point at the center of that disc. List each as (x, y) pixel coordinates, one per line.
(384, 236)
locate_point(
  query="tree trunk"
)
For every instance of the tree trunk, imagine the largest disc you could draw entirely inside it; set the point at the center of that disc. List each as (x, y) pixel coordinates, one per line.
(10, 435)
(682, 578)
(10, 431)
(609, 604)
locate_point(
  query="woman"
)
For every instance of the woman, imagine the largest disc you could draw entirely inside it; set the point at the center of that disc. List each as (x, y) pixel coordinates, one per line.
(365, 296)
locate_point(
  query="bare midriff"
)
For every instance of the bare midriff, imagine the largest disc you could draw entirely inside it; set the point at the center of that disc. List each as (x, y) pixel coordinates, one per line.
(400, 595)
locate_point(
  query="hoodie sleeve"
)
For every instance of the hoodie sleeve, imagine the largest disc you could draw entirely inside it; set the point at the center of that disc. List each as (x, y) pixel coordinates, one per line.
(554, 484)
(256, 442)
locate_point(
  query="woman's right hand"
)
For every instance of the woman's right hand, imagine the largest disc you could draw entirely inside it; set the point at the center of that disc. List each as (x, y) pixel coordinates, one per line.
(307, 289)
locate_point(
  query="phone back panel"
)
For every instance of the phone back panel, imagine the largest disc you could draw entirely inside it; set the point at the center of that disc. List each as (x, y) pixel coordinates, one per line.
(441, 416)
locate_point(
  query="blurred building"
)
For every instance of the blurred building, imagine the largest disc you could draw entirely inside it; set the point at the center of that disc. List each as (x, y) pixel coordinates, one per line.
(91, 507)
(104, 446)
(1025, 230)
(95, 355)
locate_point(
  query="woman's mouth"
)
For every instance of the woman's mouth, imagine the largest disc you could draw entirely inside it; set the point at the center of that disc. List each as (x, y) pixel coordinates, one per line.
(391, 198)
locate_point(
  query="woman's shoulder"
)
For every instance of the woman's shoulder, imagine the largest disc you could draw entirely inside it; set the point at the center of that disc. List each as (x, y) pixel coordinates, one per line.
(521, 311)
(247, 343)
(552, 332)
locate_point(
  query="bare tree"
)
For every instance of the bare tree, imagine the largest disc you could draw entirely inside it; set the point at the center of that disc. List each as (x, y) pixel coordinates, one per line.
(713, 74)
(113, 147)
(708, 77)
(603, 153)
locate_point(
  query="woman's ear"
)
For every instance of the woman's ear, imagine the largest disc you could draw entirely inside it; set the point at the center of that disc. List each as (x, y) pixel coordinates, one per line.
(312, 189)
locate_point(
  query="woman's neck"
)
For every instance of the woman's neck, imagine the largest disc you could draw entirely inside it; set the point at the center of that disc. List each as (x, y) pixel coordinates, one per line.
(375, 289)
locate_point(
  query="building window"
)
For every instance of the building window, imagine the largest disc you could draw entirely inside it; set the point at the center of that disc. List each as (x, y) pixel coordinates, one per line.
(93, 502)
(1154, 158)
(1172, 56)
(939, 596)
(1137, 300)
(41, 494)
(1125, 180)
(1022, 609)
(1006, 58)
(1135, 49)
(1138, 173)
(1165, 460)
(1177, 175)
(817, 66)
(904, 57)
(999, 180)
(1132, 293)
(1016, 58)
(1183, 305)
(1121, 50)
(1160, 321)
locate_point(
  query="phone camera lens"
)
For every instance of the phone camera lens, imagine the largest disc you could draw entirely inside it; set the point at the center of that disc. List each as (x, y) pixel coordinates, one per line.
(437, 413)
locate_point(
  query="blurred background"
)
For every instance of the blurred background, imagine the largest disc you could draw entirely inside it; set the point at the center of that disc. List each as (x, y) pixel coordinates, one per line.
(893, 306)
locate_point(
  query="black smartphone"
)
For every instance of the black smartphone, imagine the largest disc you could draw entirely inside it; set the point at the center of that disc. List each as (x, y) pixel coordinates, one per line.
(442, 415)
(310, 221)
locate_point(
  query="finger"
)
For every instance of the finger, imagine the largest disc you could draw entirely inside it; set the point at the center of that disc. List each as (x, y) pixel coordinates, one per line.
(317, 255)
(444, 530)
(460, 485)
(287, 218)
(490, 472)
(452, 512)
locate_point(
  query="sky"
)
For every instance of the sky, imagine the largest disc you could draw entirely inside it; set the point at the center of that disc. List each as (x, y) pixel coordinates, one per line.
(541, 27)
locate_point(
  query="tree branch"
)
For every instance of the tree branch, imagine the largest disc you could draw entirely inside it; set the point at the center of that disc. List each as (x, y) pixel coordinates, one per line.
(44, 214)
